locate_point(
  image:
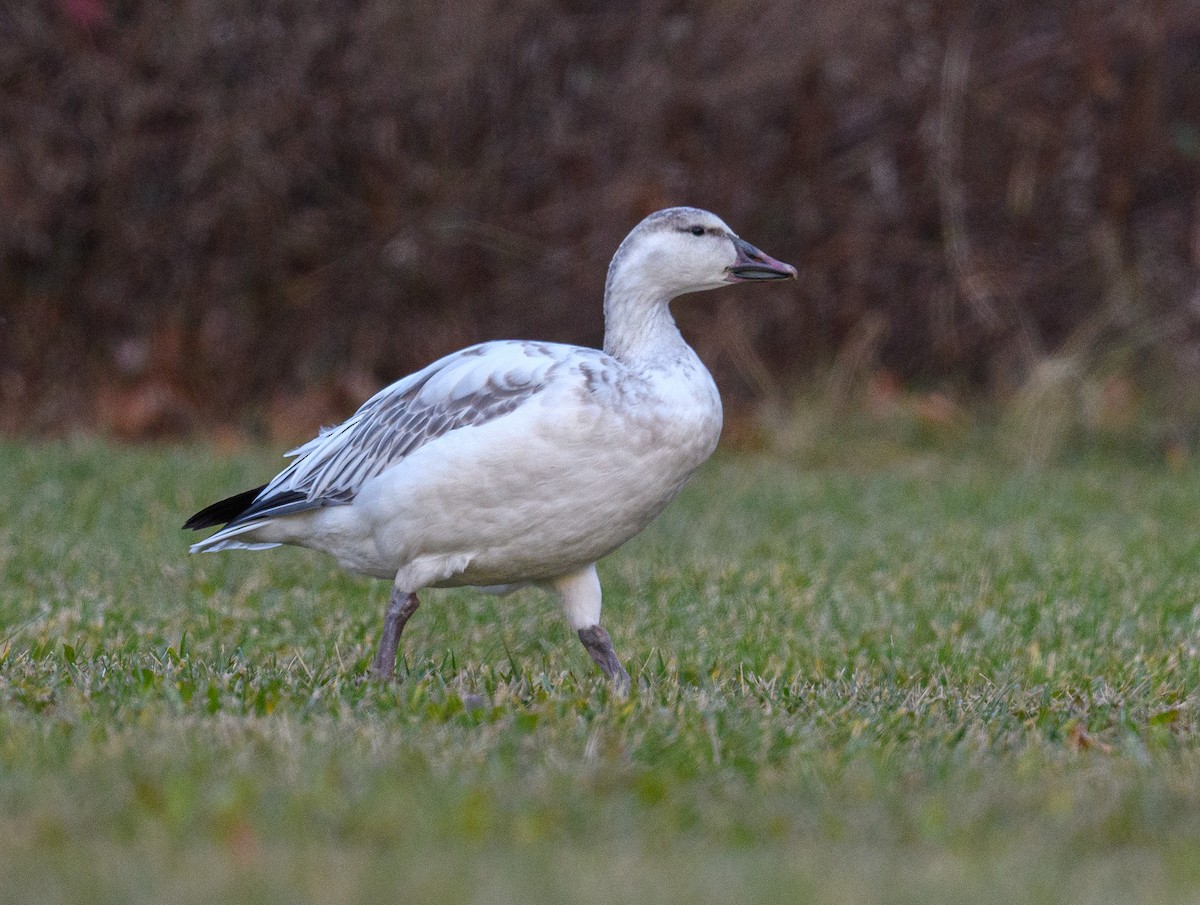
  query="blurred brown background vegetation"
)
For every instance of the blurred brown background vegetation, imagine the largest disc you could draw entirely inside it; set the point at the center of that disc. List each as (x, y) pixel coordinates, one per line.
(248, 216)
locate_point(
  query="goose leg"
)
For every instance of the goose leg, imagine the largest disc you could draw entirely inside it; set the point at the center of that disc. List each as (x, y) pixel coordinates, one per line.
(580, 596)
(401, 605)
(597, 642)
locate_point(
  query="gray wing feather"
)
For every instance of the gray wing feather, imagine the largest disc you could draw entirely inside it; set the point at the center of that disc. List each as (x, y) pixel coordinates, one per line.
(468, 388)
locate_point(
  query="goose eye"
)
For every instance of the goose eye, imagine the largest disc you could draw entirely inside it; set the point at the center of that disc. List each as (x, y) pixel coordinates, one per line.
(697, 230)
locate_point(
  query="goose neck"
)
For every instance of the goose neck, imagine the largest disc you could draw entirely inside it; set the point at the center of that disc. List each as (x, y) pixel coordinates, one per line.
(639, 329)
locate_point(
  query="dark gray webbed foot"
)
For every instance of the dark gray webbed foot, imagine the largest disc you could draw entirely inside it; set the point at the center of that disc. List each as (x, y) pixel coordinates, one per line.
(599, 645)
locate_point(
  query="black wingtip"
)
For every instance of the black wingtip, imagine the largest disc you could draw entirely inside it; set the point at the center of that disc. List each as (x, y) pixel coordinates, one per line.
(223, 511)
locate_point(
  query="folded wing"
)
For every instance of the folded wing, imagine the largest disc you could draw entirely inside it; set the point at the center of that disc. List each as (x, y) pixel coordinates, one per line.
(471, 387)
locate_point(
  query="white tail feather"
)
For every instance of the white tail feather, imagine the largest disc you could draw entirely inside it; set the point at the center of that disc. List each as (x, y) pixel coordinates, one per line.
(226, 539)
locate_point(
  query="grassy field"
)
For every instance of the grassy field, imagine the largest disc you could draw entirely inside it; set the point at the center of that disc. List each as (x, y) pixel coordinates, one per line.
(928, 677)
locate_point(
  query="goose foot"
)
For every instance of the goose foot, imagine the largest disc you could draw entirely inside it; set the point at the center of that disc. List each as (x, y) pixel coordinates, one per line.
(599, 645)
(401, 605)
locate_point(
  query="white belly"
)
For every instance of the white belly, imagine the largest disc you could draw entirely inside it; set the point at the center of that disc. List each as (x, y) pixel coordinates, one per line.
(522, 498)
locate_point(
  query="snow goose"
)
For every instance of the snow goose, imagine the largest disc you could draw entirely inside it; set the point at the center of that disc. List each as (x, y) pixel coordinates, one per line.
(513, 463)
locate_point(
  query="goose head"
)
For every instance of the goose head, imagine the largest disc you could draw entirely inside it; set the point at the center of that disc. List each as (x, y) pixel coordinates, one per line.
(685, 249)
